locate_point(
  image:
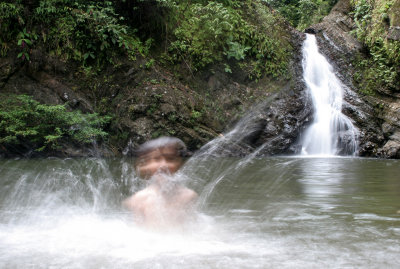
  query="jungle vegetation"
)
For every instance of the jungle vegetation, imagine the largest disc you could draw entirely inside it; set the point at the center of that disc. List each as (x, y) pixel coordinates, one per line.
(192, 33)
(379, 71)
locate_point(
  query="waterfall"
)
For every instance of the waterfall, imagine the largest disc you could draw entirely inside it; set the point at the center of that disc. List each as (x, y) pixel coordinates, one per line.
(331, 132)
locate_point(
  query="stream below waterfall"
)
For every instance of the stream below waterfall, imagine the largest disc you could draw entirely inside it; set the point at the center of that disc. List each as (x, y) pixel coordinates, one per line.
(286, 212)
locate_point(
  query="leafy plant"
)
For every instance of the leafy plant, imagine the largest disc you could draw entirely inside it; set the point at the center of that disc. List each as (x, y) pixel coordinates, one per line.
(25, 41)
(24, 120)
(196, 114)
(235, 49)
(227, 68)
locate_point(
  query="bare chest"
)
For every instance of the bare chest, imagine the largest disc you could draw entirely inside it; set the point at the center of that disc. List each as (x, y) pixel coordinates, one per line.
(164, 210)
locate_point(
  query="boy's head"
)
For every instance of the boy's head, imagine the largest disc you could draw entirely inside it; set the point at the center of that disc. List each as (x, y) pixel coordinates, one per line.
(163, 154)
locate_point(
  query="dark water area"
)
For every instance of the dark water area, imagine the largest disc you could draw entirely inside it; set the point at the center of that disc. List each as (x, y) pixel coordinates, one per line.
(286, 212)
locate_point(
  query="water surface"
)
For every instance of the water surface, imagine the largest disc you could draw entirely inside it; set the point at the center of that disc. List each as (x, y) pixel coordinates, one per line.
(262, 213)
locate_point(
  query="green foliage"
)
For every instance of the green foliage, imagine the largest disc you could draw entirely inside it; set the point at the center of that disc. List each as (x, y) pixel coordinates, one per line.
(196, 114)
(380, 69)
(196, 33)
(302, 13)
(90, 32)
(25, 41)
(211, 32)
(10, 23)
(87, 31)
(376, 72)
(236, 50)
(362, 17)
(207, 33)
(24, 120)
(268, 40)
(227, 68)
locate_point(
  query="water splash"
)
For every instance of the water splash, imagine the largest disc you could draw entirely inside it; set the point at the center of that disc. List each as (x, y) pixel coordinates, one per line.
(262, 213)
(331, 132)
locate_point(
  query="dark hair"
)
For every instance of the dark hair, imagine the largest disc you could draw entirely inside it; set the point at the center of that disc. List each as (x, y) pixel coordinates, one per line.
(161, 142)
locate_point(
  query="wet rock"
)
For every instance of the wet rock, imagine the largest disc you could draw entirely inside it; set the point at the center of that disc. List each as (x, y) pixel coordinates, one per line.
(8, 68)
(336, 29)
(375, 117)
(275, 125)
(392, 148)
(65, 93)
(214, 83)
(394, 33)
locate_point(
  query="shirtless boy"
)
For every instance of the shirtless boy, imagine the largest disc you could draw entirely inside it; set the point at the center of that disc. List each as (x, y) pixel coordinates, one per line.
(164, 203)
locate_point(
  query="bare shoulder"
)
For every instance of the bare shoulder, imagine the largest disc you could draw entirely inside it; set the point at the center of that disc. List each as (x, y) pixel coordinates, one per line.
(188, 194)
(138, 200)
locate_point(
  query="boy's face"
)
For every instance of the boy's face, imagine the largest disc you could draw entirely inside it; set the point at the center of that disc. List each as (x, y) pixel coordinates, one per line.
(165, 159)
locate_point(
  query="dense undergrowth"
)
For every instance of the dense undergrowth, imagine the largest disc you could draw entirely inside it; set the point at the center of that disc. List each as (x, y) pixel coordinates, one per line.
(95, 34)
(380, 71)
(302, 13)
(196, 33)
(24, 121)
(89, 32)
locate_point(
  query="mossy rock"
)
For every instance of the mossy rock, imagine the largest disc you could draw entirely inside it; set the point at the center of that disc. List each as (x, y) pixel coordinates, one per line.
(394, 14)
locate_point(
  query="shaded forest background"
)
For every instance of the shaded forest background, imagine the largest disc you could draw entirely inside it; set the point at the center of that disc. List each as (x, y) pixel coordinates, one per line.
(185, 37)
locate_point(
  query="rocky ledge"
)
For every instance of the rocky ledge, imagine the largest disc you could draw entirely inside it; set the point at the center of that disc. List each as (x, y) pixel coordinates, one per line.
(377, 117)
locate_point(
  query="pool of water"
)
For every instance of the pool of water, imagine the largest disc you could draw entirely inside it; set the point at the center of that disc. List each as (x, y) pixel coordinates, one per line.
(283, 212)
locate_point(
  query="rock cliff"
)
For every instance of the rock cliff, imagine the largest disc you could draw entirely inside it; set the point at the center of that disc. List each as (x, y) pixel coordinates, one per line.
(376, 116)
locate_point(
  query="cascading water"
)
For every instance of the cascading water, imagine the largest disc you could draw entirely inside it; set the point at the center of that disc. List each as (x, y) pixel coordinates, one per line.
(331, 132)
